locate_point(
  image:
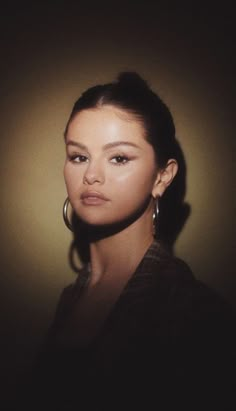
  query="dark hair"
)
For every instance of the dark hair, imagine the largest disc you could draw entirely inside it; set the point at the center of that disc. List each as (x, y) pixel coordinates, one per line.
(132, 94)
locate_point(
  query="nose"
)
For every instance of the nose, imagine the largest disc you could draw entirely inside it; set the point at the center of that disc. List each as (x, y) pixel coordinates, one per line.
(94, 174)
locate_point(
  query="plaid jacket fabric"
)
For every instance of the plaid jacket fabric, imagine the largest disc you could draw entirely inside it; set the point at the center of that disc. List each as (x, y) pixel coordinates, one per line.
(168, 338)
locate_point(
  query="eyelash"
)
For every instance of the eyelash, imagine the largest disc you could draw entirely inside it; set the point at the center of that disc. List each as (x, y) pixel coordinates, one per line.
(124, 160)
(75, 156)
(83, 159)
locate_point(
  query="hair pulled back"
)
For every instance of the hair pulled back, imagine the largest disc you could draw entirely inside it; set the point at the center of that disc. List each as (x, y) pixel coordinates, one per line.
(132, 94)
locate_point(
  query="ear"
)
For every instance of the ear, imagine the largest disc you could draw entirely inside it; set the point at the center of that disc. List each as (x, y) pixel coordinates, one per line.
(164, 178)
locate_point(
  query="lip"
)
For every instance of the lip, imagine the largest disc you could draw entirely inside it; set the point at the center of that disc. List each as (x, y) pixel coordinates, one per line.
(93, 197)
(93, 194)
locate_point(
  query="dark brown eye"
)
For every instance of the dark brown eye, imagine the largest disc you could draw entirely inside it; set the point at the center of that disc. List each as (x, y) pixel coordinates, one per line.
(78, 158)
(120, 159)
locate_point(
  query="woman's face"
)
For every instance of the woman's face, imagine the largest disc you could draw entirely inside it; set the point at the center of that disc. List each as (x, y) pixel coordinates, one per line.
(110, 168)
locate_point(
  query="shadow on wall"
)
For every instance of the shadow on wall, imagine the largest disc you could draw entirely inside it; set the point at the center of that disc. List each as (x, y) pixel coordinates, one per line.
(173, 214)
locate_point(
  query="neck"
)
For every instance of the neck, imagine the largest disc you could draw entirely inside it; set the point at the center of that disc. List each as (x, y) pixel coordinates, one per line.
(117, 255)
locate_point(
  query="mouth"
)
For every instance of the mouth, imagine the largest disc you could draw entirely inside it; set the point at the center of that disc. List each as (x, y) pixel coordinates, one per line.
(93, 198)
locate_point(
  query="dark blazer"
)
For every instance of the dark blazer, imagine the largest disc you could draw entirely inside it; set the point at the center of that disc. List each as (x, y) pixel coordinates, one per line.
(169, 341)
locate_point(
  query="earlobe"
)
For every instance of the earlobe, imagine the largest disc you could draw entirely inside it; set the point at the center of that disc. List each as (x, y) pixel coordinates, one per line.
(165, 178)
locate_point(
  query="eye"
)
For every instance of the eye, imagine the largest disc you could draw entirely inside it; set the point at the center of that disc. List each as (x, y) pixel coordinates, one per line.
(119, 160)
(77, 158)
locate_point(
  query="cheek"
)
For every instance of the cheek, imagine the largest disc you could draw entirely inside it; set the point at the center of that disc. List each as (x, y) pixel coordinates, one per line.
(72, 180)
(142, 177)
(71, 174)
(132, 188)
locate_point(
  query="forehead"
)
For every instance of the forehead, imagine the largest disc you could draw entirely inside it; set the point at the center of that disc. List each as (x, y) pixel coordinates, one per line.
(106, 122)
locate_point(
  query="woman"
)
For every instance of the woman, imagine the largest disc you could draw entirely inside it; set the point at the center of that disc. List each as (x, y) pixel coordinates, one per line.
(136, 324)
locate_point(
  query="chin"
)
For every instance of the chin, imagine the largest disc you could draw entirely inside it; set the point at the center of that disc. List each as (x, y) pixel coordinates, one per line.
(94, 220)
(105, 226)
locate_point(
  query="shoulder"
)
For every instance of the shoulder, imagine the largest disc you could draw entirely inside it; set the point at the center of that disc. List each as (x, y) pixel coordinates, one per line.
(171, 290)
(164, 269)
(160, 273)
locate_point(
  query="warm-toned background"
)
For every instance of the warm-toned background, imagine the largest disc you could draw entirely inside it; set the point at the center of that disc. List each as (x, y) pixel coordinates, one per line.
(50, 54)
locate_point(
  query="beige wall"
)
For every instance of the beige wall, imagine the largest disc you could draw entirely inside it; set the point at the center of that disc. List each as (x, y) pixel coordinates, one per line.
(49, 58)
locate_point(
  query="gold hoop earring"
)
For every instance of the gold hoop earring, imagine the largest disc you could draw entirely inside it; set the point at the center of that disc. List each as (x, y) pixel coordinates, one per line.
(65, 217)
(155, 214)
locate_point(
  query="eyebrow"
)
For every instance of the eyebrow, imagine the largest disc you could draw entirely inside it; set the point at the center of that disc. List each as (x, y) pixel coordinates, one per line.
(105, 147)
